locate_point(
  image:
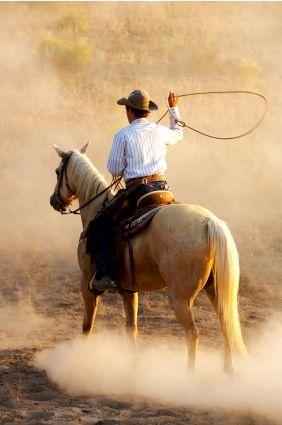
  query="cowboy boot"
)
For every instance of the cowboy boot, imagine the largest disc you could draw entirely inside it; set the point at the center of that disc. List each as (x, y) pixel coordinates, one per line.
(104, 284)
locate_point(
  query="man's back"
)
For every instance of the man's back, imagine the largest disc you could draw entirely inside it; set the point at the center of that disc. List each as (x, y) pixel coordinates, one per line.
(140, 148)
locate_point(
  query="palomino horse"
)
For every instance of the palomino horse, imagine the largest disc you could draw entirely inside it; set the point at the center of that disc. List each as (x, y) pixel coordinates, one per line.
(185, 248)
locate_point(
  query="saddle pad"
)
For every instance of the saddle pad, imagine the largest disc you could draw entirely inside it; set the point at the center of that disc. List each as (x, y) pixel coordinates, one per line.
(134, 224)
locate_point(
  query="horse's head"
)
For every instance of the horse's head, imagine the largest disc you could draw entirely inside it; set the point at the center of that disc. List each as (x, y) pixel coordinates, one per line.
(64, 194)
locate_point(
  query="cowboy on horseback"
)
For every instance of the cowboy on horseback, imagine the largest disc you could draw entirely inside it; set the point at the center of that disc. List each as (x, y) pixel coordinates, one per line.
(185, 249)
(138, 154)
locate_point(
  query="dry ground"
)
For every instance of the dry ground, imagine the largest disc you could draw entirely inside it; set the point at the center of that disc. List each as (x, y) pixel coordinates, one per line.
(41, 306)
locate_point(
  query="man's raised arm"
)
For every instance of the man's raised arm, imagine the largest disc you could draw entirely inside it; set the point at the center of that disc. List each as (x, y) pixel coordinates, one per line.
(175, 133)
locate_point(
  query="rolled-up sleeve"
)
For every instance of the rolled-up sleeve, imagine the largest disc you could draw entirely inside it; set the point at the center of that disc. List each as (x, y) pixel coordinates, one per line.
(116, 161)
(175, 133)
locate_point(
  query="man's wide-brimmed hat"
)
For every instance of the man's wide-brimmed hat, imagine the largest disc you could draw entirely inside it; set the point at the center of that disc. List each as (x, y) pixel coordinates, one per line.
(139, 99)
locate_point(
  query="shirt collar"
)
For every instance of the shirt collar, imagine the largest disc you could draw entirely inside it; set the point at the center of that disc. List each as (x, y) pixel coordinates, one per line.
(139, 121)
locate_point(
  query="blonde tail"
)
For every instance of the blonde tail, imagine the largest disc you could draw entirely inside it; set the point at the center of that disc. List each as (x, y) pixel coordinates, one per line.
(226, 273)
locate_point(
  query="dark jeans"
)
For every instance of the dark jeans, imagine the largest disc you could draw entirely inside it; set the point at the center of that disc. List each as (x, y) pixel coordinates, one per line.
(101, 231)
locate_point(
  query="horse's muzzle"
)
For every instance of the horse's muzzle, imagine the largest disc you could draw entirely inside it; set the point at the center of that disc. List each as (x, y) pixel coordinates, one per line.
(55, 202)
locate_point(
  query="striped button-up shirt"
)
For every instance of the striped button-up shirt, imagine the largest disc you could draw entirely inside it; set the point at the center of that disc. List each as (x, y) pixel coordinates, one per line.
(139, 149)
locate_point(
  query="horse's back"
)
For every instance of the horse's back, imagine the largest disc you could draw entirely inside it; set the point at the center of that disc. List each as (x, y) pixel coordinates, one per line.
(180, 223)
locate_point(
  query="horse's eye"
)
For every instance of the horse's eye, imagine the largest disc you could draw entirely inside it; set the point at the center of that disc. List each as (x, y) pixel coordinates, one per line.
(57, 172)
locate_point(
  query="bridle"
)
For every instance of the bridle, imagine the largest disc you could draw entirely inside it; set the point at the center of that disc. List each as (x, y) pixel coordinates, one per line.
(61, 175)
(61, 202)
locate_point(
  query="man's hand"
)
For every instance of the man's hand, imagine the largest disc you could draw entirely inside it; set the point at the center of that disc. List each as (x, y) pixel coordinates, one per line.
(172, 99)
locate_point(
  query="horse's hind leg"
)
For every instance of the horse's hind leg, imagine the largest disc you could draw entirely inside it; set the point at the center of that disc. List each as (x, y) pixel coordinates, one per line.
(184, 314)
(90, 304)
(130, 301)
(210, 290)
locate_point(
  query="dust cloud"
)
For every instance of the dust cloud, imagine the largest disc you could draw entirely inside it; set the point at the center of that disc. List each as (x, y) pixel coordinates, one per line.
(21, 326)
(106, 364)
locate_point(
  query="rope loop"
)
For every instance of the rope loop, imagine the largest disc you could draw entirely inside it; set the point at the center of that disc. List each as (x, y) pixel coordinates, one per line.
(183, 123)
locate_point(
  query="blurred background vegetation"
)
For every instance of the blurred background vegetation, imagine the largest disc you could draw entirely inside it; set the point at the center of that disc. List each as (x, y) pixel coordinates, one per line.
(84, 45)
(67, 48)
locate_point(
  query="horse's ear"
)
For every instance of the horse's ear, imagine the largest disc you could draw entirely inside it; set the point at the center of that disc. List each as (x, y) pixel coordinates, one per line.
(84, 148)
(61, 153)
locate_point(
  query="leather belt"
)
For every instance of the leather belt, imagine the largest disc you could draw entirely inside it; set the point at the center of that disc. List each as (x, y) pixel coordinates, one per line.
(145, 179)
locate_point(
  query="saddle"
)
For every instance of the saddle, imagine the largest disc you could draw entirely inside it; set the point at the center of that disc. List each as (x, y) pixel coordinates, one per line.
(147, 207)
(158, 197)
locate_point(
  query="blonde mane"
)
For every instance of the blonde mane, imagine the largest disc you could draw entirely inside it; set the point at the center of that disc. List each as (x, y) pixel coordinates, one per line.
(84, 177)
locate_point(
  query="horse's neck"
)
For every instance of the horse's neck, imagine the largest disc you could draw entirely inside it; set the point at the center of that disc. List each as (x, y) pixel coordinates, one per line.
(87, 183)
(90, 211)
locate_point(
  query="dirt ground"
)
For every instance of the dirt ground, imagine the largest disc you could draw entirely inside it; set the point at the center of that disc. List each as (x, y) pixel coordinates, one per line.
(41, 306)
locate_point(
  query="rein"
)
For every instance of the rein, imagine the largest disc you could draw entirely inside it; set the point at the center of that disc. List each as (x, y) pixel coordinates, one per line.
(63, 172)
(183, 124)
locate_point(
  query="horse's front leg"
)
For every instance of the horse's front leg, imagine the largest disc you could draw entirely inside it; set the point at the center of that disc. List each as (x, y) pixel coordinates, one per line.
(90, 303)
(130, 301)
